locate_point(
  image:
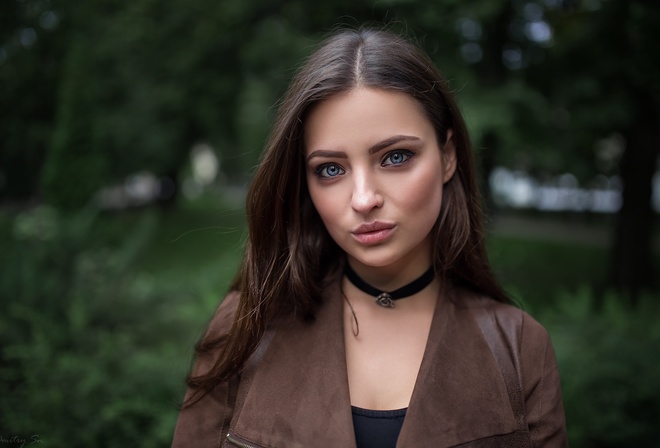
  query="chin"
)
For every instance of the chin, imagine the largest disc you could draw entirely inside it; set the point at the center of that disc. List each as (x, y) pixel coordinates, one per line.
(375, 260)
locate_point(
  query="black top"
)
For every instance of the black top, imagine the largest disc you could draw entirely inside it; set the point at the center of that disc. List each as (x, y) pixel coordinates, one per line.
(377, 429)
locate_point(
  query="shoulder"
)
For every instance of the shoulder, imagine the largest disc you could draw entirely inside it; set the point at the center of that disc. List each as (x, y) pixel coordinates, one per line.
(507, 318)
(223, 317)
(214, 338)
(533, 338)
(204, 414)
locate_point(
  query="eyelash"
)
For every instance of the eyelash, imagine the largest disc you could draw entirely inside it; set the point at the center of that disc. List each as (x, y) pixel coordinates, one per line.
(407, 154)
(321, 168)
(404, 152)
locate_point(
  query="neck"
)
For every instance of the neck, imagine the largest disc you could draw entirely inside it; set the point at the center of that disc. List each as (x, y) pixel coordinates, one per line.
(390, 277)
(387, 298)
(419, 292)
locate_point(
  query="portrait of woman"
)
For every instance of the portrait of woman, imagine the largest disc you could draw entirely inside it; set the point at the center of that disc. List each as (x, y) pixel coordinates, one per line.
(365, 312)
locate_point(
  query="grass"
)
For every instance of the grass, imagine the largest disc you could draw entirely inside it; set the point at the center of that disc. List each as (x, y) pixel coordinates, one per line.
(534, 271)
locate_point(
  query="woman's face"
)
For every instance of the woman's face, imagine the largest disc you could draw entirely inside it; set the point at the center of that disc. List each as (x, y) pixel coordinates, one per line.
(375, 175)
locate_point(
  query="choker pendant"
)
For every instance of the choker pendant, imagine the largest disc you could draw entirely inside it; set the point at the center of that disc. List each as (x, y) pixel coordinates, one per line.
(384, 298)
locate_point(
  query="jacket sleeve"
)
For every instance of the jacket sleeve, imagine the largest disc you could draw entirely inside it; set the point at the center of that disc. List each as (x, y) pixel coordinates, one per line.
(201, 423)
(543, 402)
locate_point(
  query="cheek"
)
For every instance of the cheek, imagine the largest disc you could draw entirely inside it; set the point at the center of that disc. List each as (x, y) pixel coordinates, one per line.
(423, 197)
(326, 206)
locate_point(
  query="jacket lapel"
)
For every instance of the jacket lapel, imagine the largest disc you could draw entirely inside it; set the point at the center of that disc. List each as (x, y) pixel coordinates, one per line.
(459, 395)
(299, 394)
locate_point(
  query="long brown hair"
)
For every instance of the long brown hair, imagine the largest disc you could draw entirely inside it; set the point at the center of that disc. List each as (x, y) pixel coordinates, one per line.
(288, 251)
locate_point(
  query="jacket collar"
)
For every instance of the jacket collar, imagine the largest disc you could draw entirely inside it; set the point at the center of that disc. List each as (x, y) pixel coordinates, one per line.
(299, 394)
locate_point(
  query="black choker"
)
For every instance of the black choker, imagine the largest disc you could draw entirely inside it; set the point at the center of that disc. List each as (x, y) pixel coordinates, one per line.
(387, 299)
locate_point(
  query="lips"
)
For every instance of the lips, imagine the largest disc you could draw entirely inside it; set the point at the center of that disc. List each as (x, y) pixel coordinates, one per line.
(373, 232)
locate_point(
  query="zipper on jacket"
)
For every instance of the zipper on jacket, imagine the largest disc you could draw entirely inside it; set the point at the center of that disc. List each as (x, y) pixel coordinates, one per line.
(239, 441)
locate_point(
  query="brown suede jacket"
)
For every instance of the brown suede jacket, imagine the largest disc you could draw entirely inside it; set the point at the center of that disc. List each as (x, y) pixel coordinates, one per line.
(293, 392)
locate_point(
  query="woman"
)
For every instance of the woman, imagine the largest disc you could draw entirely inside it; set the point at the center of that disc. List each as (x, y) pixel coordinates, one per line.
(365, 312)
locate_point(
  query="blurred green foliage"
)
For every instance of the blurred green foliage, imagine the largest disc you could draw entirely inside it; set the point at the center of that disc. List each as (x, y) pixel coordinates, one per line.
(95, 337)
(160, 77)
(74, 168)
(607, 355)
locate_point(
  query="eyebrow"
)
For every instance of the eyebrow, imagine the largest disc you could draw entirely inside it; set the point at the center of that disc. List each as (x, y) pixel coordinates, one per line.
(372, 150)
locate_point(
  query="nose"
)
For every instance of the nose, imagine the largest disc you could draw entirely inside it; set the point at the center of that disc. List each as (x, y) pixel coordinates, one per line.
(366, 196)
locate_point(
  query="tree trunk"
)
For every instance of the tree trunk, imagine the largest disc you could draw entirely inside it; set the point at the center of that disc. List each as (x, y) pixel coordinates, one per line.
(632, 264)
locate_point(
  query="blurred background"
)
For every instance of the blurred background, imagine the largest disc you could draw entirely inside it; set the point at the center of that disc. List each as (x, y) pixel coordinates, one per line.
(129, 131)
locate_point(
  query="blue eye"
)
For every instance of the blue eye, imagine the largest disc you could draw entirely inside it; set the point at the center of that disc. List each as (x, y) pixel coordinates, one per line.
(329, 170)
(397, 157)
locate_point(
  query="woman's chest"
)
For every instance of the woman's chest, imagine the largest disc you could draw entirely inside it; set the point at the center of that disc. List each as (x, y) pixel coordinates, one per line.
(383, 361)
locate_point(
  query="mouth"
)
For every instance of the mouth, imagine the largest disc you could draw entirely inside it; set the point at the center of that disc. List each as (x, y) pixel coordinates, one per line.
(373, 232)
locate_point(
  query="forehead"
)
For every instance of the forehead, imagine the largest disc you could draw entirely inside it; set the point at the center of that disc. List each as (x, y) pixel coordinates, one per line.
(363, 116)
